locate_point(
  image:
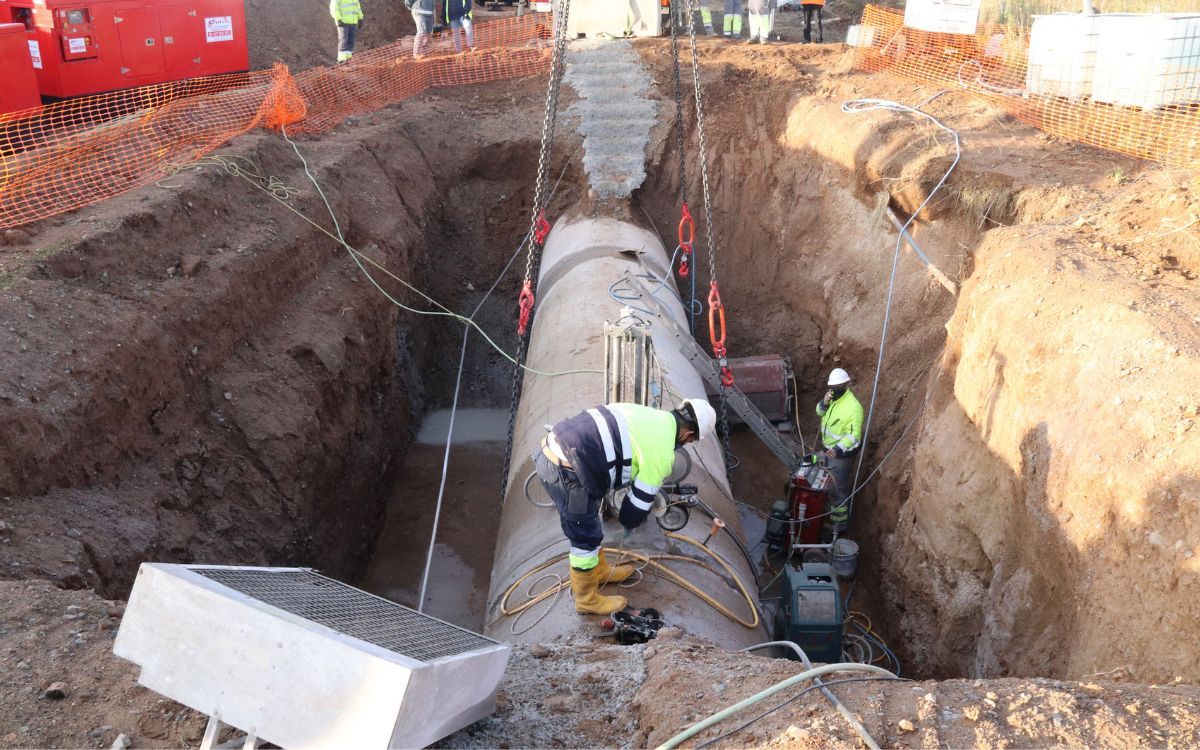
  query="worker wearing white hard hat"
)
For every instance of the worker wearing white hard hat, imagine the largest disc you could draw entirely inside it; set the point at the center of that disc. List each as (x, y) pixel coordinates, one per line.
(841, 438)
(612, 447)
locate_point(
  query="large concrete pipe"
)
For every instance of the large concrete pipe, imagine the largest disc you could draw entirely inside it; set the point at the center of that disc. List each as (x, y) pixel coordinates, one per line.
(583, 257)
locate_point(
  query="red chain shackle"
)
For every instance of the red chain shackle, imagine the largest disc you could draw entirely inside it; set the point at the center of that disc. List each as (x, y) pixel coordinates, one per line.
(525, 303)
(716, 322)
(543, 228)
(687, 238)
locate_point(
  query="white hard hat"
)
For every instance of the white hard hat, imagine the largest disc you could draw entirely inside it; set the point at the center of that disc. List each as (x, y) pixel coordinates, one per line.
(706, 416)
(839, 377)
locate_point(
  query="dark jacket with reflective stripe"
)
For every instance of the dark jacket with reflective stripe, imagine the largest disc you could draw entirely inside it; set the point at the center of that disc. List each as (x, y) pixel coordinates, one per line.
(456, 9)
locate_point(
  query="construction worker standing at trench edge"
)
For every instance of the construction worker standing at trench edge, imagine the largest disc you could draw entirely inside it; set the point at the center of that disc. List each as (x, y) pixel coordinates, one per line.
(841, 437)
(608, 448)
(349, 17)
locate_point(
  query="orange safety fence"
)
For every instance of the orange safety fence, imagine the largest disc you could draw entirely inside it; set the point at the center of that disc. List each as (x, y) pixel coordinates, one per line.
(79, 152)
(1127, 84)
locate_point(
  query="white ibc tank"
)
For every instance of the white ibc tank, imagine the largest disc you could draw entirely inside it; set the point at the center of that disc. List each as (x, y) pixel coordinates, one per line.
(1148, 61)
(1062, 54)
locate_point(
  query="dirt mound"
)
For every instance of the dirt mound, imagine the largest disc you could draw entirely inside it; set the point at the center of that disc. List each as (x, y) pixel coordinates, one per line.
(301, 33)
(598, 695)
(50, 636)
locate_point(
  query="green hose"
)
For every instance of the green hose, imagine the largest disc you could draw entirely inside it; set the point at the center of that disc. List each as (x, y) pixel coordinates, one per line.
(723, 714)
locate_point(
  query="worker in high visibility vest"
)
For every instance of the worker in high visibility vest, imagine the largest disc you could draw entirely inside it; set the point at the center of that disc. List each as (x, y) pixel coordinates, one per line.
(841, 438)
(732, 18)
(349, 17)
(813, 8)
(457, 15)
(611, 448)
(762, 20)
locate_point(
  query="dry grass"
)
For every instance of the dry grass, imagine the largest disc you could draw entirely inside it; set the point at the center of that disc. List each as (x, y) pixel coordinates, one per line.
(1021, 12)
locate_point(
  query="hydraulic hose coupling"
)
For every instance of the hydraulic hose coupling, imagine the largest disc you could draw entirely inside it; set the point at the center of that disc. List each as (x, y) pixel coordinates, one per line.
(717, 525)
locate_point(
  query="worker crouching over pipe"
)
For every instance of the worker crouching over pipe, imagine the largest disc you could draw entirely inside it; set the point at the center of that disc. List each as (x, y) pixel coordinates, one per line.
(614, 447)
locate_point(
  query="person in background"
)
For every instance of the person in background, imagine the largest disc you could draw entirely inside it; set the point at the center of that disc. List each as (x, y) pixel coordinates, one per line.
(811, 8)
(841, 438)
(733, 19)
(762, 20)
(458, 16)
(348, 16)
(706, 17)
(422, 13)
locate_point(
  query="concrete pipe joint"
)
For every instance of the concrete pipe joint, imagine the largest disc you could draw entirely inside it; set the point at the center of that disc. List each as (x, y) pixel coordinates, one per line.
(711, 591)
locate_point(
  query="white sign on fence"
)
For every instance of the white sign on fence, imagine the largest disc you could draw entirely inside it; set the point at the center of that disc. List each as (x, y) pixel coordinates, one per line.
(945, 16)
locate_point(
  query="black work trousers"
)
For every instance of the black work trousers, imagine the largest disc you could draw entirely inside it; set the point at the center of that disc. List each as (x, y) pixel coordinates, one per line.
(809, 12)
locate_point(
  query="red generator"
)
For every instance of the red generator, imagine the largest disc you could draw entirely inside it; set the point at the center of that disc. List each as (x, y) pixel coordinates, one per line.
(808, 490)
(18, 85)
(89, 46)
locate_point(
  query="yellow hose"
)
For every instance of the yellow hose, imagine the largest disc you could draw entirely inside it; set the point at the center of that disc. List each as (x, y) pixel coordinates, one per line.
(656, 562)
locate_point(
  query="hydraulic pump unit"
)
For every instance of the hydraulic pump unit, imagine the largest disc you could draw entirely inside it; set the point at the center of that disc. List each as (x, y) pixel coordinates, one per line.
(807, 497)
(811, 614)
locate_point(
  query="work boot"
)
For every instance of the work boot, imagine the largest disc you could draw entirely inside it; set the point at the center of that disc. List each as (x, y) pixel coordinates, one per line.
(752, 40)
(609, 574)
(585, 585)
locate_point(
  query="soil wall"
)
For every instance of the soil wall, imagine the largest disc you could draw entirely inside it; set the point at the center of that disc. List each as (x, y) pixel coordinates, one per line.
(1033, 432)
(1052, 524)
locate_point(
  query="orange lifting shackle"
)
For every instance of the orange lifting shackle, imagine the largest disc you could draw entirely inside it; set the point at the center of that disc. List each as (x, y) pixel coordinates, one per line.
(716, 317)
(687, 238)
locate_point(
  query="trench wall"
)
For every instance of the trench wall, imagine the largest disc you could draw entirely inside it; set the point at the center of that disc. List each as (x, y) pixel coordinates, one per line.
(1037, 478)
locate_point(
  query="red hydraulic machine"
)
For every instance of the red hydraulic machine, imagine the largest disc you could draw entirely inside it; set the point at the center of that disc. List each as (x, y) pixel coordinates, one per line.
(18, 86)
(81, 47)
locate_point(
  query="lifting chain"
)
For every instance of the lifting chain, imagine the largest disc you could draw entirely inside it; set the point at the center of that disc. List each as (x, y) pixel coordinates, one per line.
(539, 226)
(716, 308)
(687, 225)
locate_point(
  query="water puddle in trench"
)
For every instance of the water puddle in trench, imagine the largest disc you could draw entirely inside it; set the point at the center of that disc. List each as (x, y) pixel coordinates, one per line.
(462, 560)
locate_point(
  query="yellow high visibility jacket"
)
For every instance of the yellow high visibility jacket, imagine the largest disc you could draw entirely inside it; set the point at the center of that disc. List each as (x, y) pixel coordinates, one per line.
(346, 11)
(841, 424)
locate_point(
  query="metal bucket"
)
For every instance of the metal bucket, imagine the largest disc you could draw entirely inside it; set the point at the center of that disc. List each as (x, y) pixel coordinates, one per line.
(844, 558)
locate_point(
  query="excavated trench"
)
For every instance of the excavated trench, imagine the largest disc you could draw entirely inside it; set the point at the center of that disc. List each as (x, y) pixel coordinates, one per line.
(220, 383)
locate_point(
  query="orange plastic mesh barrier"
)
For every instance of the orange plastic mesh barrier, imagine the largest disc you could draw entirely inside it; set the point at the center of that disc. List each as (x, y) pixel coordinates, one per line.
(75, 153)
(1130, 85)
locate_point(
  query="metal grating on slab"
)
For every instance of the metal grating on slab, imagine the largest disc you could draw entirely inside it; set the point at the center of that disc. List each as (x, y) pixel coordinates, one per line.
(351, 612)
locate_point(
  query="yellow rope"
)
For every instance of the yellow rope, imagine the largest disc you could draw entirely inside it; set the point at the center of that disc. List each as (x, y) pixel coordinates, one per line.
(655, 562)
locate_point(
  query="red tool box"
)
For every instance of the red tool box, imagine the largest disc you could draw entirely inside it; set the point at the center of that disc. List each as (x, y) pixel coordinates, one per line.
(18, 85)
(80, 47)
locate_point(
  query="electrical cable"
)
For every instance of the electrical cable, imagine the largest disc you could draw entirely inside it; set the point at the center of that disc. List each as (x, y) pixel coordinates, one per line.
(804, 676)
(793, 699)
(462, 358)
(866, 105)
(833, 699)
(359, 257)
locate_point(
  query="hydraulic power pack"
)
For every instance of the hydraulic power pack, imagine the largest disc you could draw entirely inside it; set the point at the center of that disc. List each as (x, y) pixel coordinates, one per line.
(811, 614)
(767, 382)
(808, 489)
(18, 85)
(89, 46)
